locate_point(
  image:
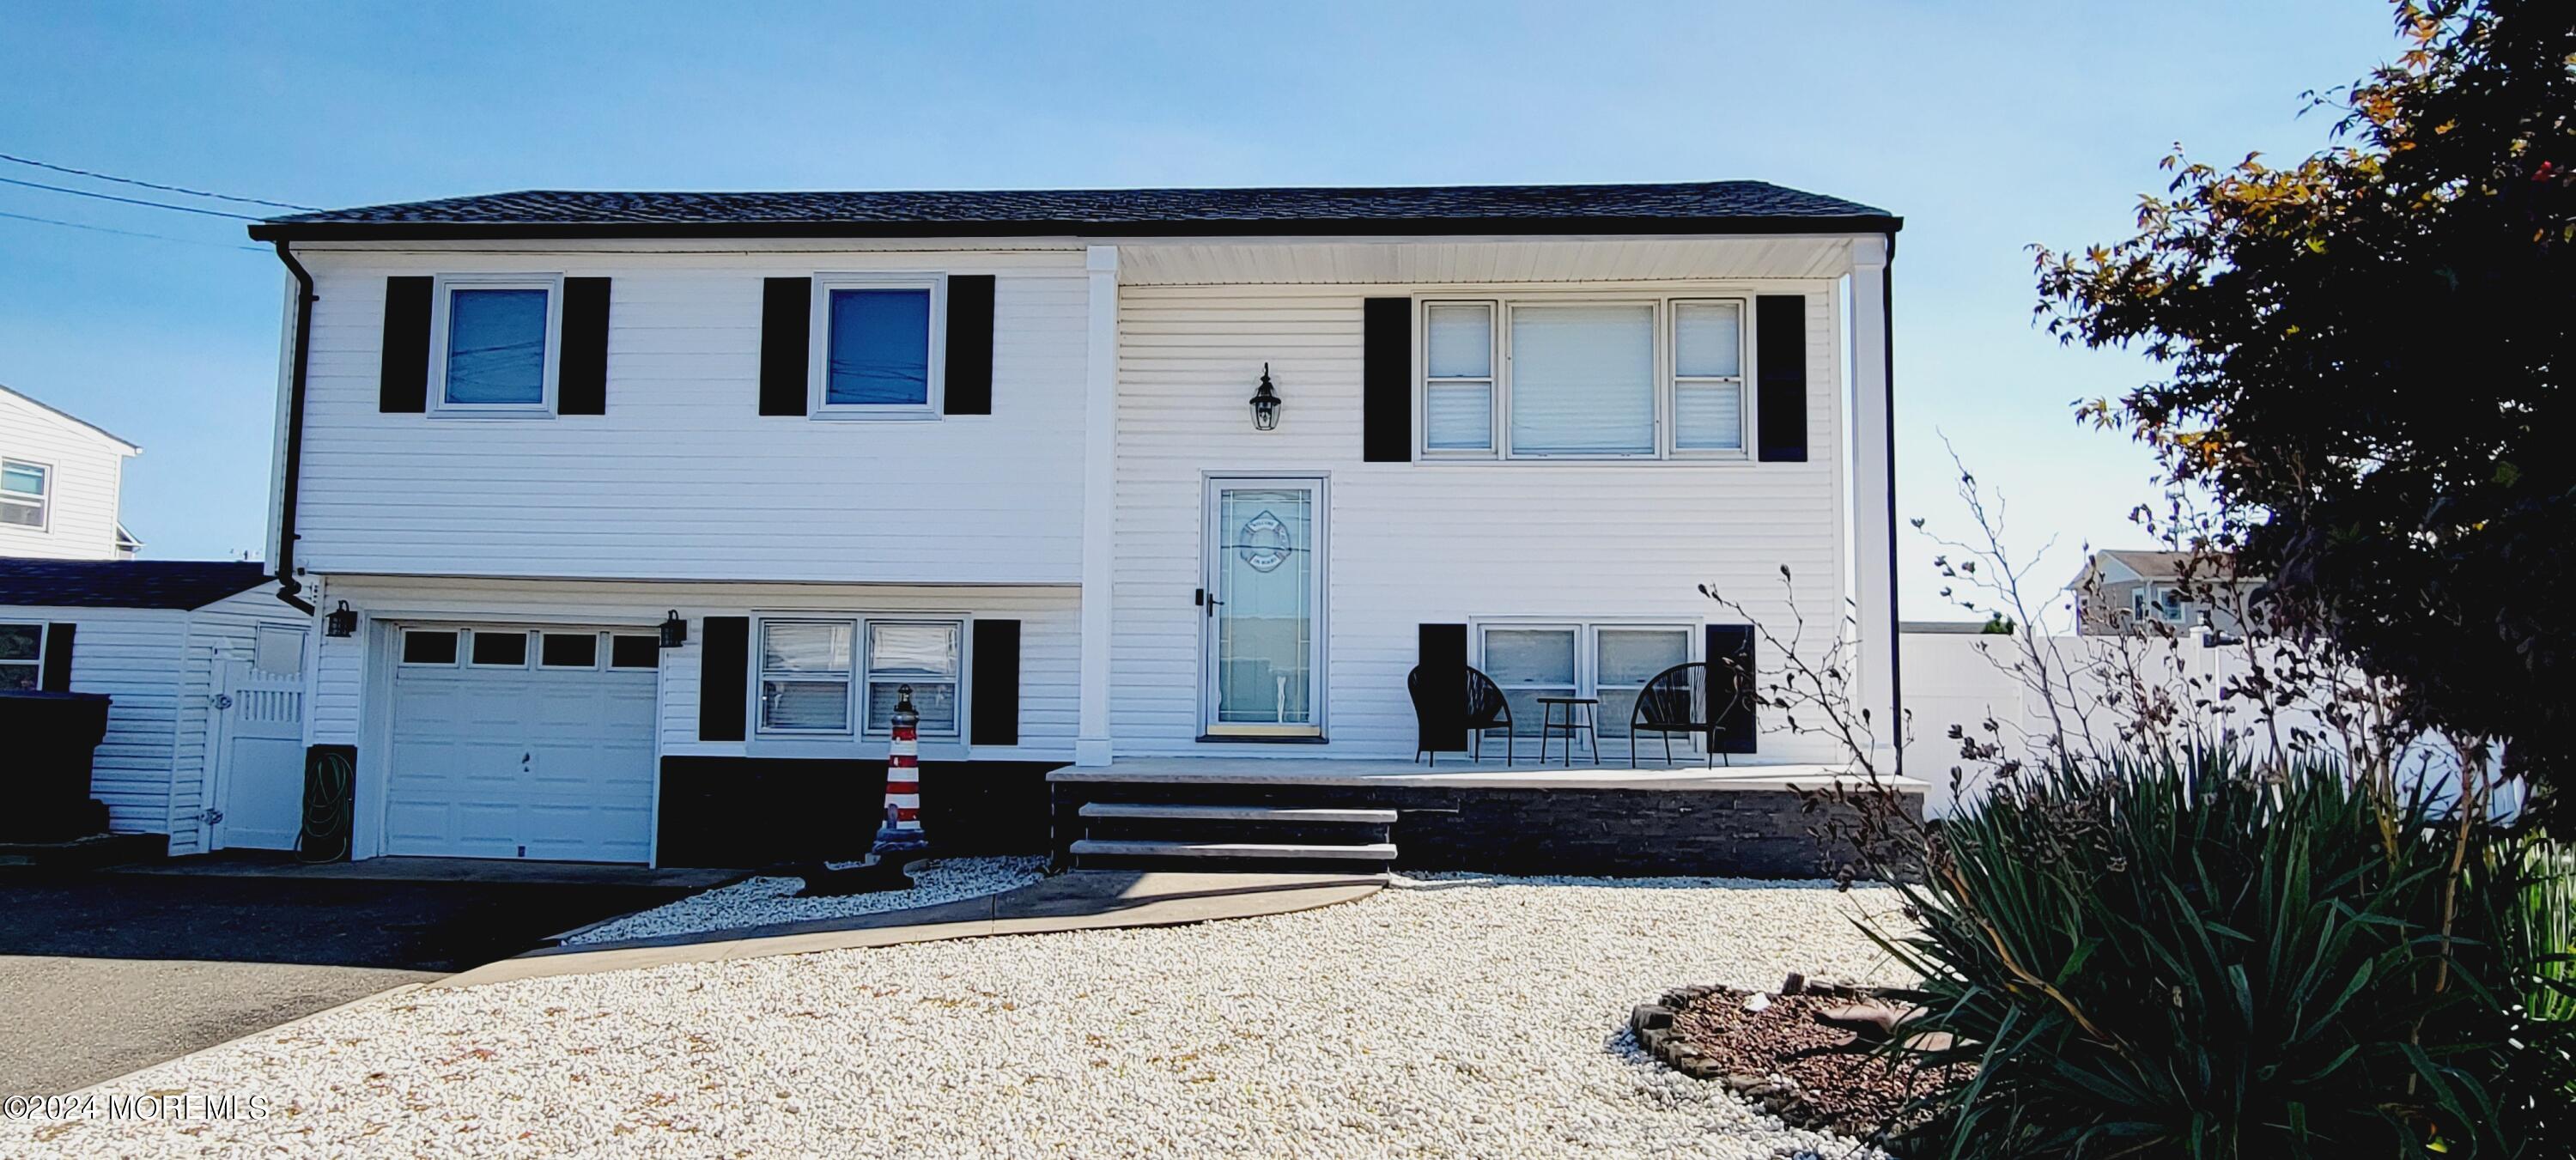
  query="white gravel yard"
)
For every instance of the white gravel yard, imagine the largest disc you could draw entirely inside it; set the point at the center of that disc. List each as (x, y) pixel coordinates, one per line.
(761, 901)
(1445, 1018)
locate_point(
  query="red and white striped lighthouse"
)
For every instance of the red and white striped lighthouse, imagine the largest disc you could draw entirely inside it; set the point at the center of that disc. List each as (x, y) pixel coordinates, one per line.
(902, 829)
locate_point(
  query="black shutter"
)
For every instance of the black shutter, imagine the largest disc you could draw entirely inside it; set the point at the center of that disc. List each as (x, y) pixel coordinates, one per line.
(724, 673)
(970, 345)
(1780, 337)
(57, 675)
(581, 367)
(402, 379)
(1441, 715)
(995, 699)
(786, 326)
(1386, 381)
(1731, 687)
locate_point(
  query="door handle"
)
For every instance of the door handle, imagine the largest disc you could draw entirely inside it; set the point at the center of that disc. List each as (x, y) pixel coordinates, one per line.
(1203, 600)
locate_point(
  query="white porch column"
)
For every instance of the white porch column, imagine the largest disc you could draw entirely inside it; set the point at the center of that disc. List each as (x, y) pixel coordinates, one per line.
(1099, 501)
(1874, 497)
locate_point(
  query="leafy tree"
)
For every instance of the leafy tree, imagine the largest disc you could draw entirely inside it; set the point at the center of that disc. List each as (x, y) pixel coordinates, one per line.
(2364, 356)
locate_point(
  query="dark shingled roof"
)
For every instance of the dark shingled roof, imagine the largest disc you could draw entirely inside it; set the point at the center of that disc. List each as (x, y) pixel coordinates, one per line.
(1694, 207)
(125, 583)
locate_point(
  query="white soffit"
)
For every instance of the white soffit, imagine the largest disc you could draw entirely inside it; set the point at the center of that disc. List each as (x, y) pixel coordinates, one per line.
(1402, 262)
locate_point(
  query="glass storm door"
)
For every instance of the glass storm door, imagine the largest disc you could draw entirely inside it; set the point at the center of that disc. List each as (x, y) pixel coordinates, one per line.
(1263, 608)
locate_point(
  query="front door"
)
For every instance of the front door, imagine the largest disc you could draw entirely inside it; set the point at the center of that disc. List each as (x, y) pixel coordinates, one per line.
(1263, 608)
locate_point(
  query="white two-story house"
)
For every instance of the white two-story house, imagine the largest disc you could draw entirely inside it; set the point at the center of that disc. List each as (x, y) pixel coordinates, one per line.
(626, 515)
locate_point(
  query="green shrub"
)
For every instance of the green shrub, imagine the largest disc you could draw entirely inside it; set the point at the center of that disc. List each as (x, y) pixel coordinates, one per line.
(2187, 956)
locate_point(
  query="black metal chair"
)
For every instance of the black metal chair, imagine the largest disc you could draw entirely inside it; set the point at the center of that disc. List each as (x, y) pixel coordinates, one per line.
(1486, 711)
(1674, 703)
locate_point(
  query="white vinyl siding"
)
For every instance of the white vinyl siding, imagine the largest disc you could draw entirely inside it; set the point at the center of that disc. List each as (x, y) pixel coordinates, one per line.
(682, 478)
(157, 666)
(1418, 543)
(83, 469)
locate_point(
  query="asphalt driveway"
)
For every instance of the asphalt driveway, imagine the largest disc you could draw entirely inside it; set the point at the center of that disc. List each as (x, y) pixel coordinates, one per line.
(102, 973)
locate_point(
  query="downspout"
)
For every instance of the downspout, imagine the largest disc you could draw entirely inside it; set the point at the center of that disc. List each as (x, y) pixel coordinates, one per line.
(287, 586)
(1895, 640)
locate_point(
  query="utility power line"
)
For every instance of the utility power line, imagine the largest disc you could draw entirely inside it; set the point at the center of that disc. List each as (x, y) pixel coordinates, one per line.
(127, 233)
(132, 200)
(152, 184)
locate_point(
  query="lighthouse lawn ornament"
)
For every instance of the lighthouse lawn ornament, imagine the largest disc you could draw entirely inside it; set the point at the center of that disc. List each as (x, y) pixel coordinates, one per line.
(901, 836)
(900, 840)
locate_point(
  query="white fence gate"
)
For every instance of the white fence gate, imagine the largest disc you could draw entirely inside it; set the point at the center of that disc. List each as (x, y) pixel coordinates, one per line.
(258, 748)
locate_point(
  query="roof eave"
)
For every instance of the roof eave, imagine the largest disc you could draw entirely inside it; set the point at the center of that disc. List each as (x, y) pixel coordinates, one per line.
(290, 231)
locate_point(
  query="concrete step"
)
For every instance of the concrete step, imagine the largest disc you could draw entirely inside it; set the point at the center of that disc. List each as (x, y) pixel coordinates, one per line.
(1269, 851)
(1211, 813)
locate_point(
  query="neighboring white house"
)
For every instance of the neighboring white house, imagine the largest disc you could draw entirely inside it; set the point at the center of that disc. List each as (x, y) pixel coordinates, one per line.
(1003, 448)
(2124, 591)
(204, 669)
(59, 483)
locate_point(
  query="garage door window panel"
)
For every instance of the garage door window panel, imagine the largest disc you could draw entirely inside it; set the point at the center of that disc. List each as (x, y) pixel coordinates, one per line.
(428, 646)
(568, 650)
(493, 648)
(635, 652)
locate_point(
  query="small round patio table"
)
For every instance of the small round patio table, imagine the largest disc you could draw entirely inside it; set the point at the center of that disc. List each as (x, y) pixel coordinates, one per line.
(1581, 713)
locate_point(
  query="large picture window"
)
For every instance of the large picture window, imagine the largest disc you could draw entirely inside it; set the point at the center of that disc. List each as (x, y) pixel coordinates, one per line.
(1572, 377)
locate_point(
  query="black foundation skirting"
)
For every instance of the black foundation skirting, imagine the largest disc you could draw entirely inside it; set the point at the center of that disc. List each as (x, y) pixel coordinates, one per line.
(1612, 832)
(768, 811)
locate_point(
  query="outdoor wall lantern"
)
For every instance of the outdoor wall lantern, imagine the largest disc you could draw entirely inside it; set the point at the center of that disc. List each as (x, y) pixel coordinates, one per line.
(1265, 404)
(340, 621)
(675, 631)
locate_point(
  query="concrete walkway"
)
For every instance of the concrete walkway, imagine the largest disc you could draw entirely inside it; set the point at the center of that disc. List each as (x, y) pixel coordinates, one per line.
(1080, 900)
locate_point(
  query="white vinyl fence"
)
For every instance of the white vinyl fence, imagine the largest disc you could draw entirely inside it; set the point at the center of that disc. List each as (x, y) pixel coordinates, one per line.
(1967, 680)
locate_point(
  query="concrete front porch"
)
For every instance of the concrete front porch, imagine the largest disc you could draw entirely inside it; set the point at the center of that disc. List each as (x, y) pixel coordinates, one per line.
(1745, 774)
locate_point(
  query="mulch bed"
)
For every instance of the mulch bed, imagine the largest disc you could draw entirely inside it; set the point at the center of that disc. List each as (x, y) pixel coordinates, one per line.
(1808, 1071)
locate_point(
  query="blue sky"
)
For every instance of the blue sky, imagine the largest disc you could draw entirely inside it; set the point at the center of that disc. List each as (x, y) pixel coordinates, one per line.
(1989, 127)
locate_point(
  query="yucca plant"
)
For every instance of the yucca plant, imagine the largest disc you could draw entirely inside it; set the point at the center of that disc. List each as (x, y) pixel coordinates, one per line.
(2186, 954)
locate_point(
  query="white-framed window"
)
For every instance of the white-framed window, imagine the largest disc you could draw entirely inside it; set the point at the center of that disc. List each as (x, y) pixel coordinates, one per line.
(492, 343)
(22, 655)
(925, 654)
(1607, 660)
(842, 676)
(26, 491)
(1458, 377)
(805, 676)
(1585, 377)
(878, 349)
(277, 649)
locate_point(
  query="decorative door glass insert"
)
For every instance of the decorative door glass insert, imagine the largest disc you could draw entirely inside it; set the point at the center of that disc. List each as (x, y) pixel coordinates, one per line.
(1263, 591)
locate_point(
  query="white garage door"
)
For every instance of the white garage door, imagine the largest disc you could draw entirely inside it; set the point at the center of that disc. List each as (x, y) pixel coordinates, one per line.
(522, 744)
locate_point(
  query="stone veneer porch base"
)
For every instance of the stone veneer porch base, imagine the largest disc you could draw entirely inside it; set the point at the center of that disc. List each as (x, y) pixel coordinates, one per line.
(1747, 821)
